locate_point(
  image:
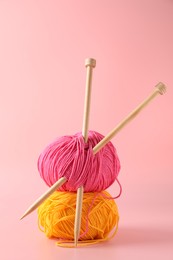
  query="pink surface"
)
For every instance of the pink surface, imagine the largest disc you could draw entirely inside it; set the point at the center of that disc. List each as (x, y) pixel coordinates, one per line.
(42, 79)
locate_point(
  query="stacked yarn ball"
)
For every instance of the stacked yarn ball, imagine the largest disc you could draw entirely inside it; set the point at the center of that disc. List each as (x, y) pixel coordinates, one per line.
(72, 158)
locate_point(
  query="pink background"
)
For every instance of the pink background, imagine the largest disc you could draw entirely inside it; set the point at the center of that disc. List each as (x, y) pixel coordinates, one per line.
(43, 45)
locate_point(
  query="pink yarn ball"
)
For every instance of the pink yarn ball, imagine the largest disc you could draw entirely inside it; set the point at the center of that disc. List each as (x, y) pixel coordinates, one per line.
(70, 157)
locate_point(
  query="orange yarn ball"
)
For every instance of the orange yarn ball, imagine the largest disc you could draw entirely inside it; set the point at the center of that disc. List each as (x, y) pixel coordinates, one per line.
(57, 215)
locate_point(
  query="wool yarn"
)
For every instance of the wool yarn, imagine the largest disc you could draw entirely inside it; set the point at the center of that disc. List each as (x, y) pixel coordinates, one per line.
(99, 217)
(71, 157)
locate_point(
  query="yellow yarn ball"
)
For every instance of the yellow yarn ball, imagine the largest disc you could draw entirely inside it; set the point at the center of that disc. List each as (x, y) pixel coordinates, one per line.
(57, 215)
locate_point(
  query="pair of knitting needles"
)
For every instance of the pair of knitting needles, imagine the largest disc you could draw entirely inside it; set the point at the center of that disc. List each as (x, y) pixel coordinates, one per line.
(90, 63)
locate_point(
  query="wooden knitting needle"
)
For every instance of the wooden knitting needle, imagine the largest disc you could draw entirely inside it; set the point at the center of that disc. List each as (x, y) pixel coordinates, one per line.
(90, 64)
(43, 197)
(160, 88)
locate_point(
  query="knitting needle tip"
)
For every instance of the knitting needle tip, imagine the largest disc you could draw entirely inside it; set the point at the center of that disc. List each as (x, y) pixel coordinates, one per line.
(27, 212)
(43, 197)
(76, 241)
(24, 215)
(78, 215)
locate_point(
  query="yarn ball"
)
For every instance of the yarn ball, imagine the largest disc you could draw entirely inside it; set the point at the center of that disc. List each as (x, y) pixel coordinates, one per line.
(71, 157)
(99, 220)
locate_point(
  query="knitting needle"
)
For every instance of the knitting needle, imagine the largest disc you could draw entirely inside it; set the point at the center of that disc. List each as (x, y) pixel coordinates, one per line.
(43, 197)
(90, 64)
(160, 88)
